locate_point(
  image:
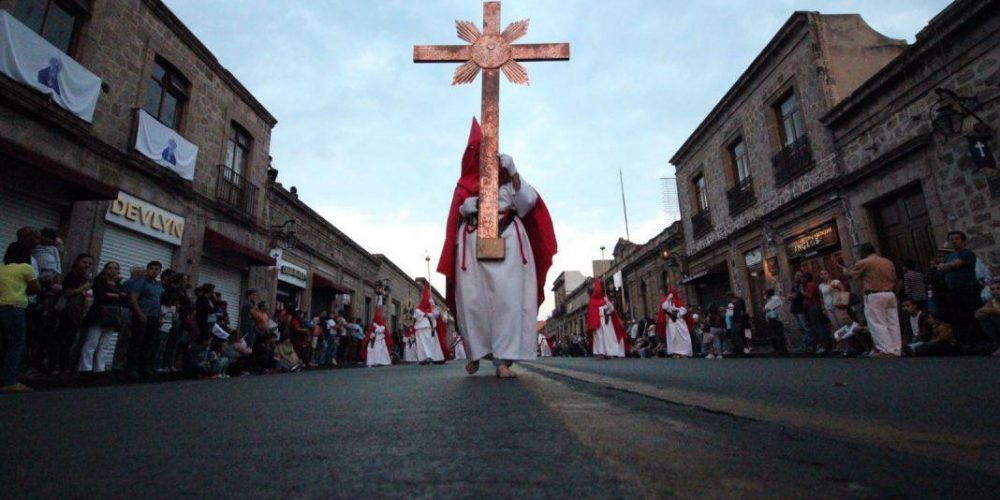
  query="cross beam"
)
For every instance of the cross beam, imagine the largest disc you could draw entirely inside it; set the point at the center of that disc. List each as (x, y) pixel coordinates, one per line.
(490, 52)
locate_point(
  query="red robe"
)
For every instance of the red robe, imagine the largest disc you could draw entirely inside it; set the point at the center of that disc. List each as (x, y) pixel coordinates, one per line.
(537, 224)
(597, 300)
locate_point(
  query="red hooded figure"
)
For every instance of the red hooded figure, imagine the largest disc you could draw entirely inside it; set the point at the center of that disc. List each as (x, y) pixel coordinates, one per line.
(538, 225)
(370, 335)
(594, 319)
(427, 306)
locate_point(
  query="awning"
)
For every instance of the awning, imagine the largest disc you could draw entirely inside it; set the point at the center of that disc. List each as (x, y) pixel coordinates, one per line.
(217, 241)
(82, 186)
(320, 281)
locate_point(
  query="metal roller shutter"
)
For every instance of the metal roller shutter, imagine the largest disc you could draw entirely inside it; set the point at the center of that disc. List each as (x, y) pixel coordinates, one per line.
(18, 210)
(129, 248)
(228, 281)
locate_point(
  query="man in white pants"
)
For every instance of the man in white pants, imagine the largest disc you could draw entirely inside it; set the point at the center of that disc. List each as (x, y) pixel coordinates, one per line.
(878, 279)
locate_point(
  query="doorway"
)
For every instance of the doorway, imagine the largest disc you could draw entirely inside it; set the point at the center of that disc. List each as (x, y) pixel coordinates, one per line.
(903, 226)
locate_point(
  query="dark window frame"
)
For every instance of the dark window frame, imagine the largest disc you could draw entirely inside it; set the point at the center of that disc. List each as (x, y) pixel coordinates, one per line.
(171, 82)
(238, 138)
(700, 192)
(792, 117)
(740, 163)
(77, 12)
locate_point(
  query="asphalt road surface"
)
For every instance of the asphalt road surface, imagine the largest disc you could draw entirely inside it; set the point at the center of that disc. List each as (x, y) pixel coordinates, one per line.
(566, 428)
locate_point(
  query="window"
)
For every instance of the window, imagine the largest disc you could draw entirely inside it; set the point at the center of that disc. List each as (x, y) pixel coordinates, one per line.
(166, 94)
(237, 149)
(741, 163)
(791, 120)
(52, 19)
(700, 193)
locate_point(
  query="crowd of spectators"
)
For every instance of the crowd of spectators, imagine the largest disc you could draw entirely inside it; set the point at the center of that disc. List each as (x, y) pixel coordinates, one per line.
(151, 324)
(878, 308)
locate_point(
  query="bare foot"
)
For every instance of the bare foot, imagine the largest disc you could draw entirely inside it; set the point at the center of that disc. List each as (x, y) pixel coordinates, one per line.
(504, 371)
(472, 367)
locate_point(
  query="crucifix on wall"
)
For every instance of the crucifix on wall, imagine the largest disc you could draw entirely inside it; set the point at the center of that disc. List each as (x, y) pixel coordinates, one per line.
(490, 51)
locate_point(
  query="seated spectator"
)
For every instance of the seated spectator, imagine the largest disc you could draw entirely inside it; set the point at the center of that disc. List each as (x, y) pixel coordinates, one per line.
(285, 356)
(988, 316)
(240, 355)
(206, 359)
(264, 353)
(853, 339)
(941, 343)
(919, 328)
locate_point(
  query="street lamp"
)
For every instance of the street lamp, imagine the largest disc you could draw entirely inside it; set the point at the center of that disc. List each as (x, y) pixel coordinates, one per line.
(283, 235)
(604, 263)
(427, 258)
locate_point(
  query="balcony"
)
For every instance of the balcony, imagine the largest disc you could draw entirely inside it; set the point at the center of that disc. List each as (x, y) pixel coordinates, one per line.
(701, 223)
(792, 160)
(741, 196)
(236, 194)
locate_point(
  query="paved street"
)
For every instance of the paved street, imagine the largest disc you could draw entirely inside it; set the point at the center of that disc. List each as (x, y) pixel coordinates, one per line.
(590, 429)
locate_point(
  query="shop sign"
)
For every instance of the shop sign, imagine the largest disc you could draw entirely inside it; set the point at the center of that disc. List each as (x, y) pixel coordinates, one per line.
(810, 243)
(146, 218)
(752, 258)
(292, 274)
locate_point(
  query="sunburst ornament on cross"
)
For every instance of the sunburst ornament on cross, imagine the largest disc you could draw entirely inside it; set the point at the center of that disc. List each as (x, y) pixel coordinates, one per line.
(490, 52)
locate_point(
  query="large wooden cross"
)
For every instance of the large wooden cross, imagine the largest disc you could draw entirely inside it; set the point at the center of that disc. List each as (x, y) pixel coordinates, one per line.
(491, 52)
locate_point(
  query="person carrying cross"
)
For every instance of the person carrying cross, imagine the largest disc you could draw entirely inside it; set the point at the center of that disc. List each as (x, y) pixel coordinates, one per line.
(496, 302)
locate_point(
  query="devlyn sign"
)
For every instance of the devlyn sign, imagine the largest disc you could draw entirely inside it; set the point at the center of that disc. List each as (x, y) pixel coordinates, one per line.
(146, 218)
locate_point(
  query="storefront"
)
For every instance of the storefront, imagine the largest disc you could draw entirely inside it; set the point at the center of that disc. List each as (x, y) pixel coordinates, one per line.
(815, 250)
(325, 294)
(21, 210)
(229, 281)
(138, 232)
(226, 264)
(292, 280)
(710, 285)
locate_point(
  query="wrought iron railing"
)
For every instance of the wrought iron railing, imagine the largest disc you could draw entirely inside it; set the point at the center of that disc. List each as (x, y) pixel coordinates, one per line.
(792, 160)
(701, 223)
(236, 193)
(741, 196)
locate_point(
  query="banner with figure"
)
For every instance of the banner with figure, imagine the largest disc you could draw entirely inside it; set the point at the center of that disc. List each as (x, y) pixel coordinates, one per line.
(165, 146)
(30, 59)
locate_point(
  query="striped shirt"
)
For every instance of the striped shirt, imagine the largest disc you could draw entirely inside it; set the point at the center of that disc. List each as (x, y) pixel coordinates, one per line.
(913, 286)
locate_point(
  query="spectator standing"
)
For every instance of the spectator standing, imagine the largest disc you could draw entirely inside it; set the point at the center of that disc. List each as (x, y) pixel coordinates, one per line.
(772, 312)
(125, 335)
(248, 329)
(796, 299)
(813, 302)
(914, 287)
(963, 299)
(989, 316)
(878, 280)
(144, 299)
(103, 322)
(77, 287)
(826, 292)
(18, 280)
(716, 329)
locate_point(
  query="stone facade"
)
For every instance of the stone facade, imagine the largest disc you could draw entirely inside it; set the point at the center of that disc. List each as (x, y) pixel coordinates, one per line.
(76, 168)
(818, 60)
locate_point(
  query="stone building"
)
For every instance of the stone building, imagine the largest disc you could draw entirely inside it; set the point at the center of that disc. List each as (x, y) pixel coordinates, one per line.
(649, 267)
(894, 146)
(144, 148)
(570, 314)
(121, 130)
(905, 144)
(755, 179)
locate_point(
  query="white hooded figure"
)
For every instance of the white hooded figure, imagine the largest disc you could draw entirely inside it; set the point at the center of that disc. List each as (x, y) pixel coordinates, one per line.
(543, 346)
(429, 329)
(377, 344)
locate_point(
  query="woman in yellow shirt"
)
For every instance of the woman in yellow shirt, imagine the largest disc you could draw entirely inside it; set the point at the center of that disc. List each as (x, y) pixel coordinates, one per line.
(17, 281)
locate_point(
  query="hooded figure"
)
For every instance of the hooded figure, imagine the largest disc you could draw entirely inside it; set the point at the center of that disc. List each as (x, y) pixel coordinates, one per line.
(377, 345)
(410, 345)
(674, 325)
(430, 330)
(605, 331)
(496, 302)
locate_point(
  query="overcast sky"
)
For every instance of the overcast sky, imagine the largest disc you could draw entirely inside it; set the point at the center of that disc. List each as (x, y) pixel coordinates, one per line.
(374, 142)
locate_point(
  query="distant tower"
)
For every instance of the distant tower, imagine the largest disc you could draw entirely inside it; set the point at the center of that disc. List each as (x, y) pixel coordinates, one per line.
(671, 206)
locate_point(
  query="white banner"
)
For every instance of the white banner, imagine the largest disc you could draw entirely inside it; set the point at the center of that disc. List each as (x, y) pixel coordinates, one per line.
(165, 146)
(30, 59)
(618, 280)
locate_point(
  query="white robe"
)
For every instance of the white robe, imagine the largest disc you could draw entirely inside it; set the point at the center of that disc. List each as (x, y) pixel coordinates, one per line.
(378, 352)
(543, 346)
(410, 349)
(606, 341)
(678, 336)
(496, 302)
(428, 347)
(460, 350)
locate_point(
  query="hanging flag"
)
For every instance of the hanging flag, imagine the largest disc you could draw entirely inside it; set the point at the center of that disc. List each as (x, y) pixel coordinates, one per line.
(165, 146)
(618, 280)
(28, 58)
